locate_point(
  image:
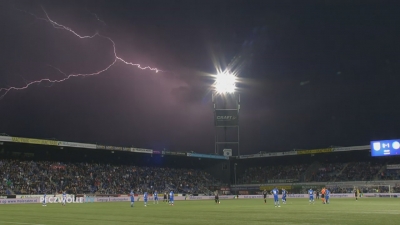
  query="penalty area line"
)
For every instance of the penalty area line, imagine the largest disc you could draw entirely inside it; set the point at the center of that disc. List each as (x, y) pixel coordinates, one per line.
(5, 222)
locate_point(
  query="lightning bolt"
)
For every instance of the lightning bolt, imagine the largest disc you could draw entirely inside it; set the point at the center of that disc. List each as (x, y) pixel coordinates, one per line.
(97, 18)
(56, 25)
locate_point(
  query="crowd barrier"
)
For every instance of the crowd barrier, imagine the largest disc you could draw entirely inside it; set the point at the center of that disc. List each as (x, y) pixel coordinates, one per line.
(382, 195)
(91, 199)
(296, 196)
(19, 201)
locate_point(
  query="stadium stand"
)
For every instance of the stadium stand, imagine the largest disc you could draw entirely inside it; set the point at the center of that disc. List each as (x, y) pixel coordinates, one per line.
(324, 168)
(389, 175)
(37, 177)
(273, 172)
(35, 169)
(324, 172)
(360, 171)
(327, 172)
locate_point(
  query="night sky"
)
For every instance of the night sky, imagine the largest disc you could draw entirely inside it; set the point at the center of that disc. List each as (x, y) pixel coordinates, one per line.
(313, 73)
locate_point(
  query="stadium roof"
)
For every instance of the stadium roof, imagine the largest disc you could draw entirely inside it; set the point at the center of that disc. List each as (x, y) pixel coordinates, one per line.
(189, 154)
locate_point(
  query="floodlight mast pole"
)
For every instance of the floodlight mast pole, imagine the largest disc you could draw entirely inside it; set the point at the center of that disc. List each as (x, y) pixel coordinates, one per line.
(235, 171)
(216, 125)
(238, 109)
(215, 129)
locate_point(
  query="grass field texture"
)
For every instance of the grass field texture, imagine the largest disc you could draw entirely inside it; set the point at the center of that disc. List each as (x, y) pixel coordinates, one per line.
(231, 212)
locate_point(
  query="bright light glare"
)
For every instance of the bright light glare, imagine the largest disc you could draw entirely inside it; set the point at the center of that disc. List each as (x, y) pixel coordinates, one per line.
(225, 83)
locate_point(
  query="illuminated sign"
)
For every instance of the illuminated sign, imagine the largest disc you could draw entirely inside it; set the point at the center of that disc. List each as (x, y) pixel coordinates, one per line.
(385, 147)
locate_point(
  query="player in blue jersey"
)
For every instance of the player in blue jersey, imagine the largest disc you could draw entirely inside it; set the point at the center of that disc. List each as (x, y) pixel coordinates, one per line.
(64, 198)
(44, 200)
(275, 192)
(145, 198)
(155, 197)
(327, 195)
(283, 196)
(171, 198)
(311, 194)
(132, 197)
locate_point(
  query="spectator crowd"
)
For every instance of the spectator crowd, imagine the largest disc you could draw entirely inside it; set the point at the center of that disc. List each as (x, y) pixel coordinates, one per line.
(273, 173)
(325, 172)
(360, 171)
(38, 177)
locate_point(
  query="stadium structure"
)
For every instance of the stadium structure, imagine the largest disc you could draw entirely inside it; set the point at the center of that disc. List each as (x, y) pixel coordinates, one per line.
(51, 171)
(38, 166)
(340, 168)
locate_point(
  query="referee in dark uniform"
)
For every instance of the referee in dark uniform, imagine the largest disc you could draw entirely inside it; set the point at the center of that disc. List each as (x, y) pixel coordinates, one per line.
(265, 195)
(216, 197)
(165, 197)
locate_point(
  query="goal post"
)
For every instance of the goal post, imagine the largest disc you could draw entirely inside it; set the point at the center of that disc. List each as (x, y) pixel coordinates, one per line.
(374, 190)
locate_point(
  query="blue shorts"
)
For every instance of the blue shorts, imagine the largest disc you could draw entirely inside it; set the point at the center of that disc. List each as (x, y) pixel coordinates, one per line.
(311, 197)
(156, 198)
(276, 198)
(327, 198)
(132, 200)
(284, 198)
(145, 200)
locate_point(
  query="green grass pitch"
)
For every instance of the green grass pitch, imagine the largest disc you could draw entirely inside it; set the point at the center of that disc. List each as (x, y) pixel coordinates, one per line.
(230, 212)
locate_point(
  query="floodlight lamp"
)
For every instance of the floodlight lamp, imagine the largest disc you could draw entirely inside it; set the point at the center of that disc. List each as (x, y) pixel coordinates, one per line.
(225, 83)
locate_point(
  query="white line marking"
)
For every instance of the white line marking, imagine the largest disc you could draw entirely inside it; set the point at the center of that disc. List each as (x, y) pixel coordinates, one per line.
(21, 223)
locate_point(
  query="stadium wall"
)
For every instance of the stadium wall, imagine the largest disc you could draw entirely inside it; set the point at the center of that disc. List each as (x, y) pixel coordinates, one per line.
(37, 200)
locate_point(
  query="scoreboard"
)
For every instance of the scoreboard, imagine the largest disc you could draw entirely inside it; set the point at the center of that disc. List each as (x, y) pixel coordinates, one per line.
(385, 147)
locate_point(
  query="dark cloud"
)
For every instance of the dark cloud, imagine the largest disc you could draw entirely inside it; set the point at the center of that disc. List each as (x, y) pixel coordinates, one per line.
(347, 52)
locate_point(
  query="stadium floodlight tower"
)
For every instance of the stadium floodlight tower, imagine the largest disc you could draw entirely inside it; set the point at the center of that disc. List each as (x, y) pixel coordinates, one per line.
(226, 104)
